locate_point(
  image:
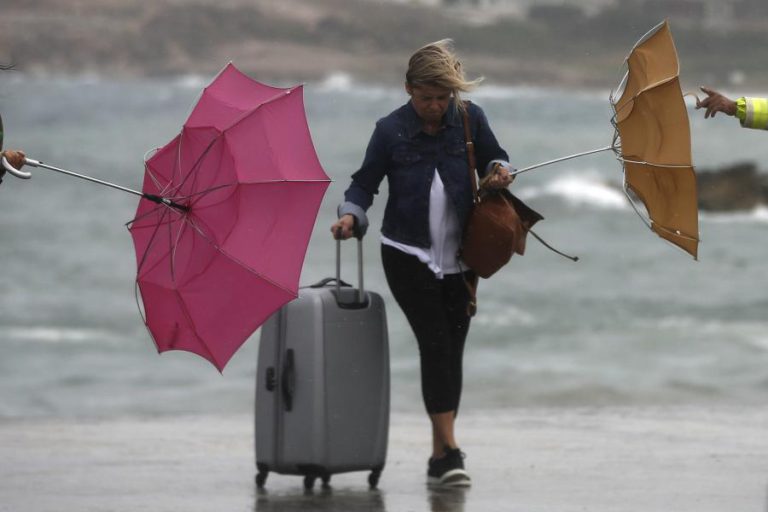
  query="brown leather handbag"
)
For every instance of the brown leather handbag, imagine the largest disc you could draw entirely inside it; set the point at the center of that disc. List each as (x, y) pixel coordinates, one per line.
(498, 224)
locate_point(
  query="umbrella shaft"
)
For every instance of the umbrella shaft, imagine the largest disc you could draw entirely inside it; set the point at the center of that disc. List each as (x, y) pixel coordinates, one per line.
(35, 163)
(151, 197)
(562, 159)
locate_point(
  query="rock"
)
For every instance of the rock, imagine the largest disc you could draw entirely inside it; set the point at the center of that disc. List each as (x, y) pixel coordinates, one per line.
(736, 187)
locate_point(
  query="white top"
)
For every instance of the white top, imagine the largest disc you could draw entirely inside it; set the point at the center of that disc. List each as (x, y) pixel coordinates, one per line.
(444, 231)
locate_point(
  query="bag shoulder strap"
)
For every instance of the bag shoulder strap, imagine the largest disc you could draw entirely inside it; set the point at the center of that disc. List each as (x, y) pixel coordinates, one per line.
(471, 281)
(470, 151)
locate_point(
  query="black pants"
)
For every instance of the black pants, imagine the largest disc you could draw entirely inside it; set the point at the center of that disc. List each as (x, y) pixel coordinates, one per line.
(436, 309)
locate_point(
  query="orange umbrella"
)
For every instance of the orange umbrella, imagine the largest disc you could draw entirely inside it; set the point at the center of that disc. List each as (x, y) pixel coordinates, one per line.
(653, 140)
(652, 123)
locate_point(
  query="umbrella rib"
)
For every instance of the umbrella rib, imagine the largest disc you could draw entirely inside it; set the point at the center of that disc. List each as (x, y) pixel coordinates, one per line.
(671, 166)
(193, 171)
(207, 191)
(136, 292)
(641, 91)
(185, 311)
(650, 222)
(677, 232)
(195, 167)
(173, 245)
(646, 219)
(179, 298)
(161, 188)
(201, 341)
(237, 261)
(151, 212)
(151, 242)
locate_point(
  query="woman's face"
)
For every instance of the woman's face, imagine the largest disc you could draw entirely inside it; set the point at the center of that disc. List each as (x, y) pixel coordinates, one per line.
(429, 102)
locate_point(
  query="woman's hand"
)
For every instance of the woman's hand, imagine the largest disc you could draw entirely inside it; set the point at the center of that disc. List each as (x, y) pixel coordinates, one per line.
(498, 178)
(714, 103)
(344, 227)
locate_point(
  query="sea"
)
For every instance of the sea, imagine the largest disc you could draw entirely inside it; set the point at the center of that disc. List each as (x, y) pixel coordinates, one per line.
(635, 322)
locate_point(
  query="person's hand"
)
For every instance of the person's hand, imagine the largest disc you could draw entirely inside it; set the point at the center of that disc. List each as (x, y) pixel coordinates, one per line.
(14, 157)
(498, 178)
(347, 226)
(714, 103)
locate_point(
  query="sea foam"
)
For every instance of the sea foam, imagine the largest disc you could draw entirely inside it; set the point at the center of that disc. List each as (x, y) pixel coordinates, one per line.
(585, 189)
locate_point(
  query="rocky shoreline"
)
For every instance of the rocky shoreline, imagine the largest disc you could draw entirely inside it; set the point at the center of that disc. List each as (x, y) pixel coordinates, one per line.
(736, 187)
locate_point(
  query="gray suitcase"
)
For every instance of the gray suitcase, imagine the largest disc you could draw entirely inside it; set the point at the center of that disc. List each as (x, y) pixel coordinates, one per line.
(322, 384)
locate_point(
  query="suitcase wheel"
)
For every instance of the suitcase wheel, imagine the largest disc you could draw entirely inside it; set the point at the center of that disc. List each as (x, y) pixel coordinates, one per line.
(309, 481)
(373, 478)
(261, 478)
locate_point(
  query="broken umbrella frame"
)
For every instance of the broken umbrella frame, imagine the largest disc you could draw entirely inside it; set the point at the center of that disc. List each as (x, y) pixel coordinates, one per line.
(225, 215)
(652, 141)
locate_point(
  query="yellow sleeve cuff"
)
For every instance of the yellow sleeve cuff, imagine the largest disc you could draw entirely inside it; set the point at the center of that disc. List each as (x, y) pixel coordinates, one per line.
(756, 113)
(741, 109)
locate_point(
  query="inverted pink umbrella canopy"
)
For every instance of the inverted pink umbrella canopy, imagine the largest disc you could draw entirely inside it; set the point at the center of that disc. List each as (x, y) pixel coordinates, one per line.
(241, 186)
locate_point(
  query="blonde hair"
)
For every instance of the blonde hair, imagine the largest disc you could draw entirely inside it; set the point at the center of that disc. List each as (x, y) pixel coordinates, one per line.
(437, 65)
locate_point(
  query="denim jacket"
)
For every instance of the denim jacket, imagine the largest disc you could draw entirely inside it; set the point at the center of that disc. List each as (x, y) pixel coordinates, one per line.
(407, 156)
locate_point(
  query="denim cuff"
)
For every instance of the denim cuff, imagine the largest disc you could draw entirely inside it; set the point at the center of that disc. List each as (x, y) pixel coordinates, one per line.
(503, 163)
(361, 219)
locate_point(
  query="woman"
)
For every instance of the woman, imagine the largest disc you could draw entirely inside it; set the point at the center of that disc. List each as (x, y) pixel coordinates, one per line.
(420, 148)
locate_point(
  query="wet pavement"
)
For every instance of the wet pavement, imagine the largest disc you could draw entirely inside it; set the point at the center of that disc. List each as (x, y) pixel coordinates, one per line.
(598, 459)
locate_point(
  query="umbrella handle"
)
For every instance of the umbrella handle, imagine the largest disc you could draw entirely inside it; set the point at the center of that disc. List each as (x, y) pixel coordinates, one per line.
(24, 175)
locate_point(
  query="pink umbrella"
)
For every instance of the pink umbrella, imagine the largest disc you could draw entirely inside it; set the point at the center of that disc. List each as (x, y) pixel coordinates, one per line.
(239, 190)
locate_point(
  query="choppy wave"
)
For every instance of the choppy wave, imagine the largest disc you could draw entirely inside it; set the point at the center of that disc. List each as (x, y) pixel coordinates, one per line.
(758, 214)
(585, 189)
(50, 334)
(591, 190)
(524, 92)
(192, 81)
(343, 82)
(340, 82)
(508, 317)
(749, 332)
(337, 81)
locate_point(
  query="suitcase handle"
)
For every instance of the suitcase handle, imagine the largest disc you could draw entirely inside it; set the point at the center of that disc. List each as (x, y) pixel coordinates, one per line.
(361, 288)
(321, 284)
(288, 381)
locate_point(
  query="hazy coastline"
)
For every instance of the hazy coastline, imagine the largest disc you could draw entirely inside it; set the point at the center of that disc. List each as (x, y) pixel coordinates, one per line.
(308, 40)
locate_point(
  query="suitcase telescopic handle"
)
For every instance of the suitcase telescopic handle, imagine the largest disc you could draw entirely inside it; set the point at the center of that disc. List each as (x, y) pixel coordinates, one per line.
(361, 286)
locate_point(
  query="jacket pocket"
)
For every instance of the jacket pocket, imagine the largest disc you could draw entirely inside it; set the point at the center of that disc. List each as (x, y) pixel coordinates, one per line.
(404, 156)
(456, 148)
